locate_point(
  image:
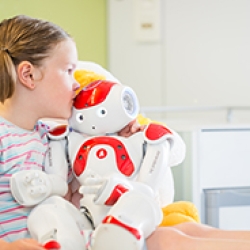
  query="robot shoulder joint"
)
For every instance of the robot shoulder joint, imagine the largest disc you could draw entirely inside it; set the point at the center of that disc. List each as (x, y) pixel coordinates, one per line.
(58, 132)
(157, 133)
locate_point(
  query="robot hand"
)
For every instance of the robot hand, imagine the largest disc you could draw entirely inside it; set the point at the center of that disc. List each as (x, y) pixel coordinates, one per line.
(106, 190)
(30, 187)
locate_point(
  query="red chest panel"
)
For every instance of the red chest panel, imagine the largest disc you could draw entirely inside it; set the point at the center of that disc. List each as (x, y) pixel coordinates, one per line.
(123, 161)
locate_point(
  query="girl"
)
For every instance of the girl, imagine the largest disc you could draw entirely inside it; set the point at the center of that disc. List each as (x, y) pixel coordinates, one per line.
(37, 59)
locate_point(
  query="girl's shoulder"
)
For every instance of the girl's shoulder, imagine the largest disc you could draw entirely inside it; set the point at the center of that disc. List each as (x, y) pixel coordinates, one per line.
(5, 126)
(11, 131)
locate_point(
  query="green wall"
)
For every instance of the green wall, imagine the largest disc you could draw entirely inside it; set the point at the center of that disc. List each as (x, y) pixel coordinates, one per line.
(85, 20)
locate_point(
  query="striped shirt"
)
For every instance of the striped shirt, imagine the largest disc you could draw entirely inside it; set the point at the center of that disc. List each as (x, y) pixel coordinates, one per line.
(19, 150)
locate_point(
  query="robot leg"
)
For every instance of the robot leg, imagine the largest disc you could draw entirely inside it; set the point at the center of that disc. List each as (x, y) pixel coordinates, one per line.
(57, 220)
(129, 222)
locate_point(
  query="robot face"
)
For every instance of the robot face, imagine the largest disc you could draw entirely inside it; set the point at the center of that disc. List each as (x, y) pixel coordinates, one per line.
(103, 107)
(79, 116)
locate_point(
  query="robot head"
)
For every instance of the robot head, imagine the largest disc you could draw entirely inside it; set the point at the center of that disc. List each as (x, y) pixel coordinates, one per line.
(103, 107)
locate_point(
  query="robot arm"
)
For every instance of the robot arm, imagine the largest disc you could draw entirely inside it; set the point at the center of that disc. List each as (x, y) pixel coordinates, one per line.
(178, 150)
(165, 149)
(178, 147)
(56, 161)
(107, 191)
(30, 187)
(159, 141)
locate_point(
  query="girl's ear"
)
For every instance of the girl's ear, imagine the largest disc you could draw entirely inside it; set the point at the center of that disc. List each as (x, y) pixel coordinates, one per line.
(28, 74)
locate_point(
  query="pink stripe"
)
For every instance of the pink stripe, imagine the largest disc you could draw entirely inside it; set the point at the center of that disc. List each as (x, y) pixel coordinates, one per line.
(7, 175)
(7, 125)
(20, 156)
(14, 232)
(11, 209)
(33, 164)
(4, 186)
(18, 135)
(23, 134)
(15, 219)
(21, 145)
(43, 135)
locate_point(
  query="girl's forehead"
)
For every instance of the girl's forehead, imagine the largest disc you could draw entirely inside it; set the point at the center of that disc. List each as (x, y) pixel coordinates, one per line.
(63, 53)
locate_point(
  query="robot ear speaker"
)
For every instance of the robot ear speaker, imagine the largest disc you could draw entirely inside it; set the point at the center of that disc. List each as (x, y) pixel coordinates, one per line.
(130, 102)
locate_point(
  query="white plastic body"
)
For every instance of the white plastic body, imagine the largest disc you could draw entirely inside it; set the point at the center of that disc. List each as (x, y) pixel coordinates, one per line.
(60, 165)
(30, 187)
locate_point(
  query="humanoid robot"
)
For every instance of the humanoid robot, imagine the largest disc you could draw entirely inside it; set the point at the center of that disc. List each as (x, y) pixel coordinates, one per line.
(122, 179)
(144, 157)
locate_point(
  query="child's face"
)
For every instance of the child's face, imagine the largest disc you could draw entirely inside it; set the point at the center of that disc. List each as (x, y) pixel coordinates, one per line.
(57, 86)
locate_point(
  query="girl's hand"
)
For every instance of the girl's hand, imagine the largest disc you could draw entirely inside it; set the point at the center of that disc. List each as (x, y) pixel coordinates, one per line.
(22, 244)
(131, 128)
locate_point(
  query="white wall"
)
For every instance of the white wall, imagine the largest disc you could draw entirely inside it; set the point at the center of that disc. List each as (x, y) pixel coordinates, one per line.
(202, 58)
(135, 64)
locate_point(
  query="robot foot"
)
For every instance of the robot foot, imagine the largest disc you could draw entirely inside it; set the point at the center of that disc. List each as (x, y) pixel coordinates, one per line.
(112, 237)
(52, 245)
(49, 240)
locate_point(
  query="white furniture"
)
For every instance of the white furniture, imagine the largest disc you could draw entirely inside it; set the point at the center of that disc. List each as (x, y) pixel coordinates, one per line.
(221, 175)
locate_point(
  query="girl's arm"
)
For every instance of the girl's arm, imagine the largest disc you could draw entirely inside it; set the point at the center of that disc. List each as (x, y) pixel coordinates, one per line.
(22, 244)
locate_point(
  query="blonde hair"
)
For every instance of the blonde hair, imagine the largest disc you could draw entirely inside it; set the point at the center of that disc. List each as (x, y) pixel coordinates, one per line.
(23, 38)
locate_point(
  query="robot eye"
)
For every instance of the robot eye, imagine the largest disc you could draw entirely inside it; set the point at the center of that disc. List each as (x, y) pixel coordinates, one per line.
(101, 112)
(79, 117)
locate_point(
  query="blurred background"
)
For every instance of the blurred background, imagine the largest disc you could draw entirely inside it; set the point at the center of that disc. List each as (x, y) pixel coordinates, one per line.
(188, 61)
(85, 20)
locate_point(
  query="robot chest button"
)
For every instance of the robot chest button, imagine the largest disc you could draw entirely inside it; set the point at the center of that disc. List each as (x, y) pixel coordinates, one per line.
(101, 153)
